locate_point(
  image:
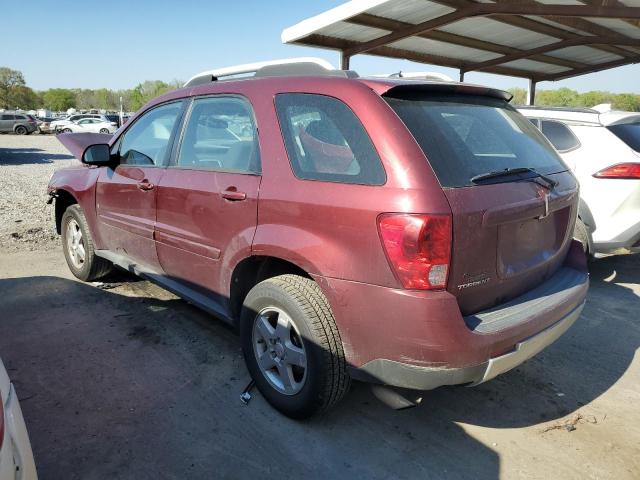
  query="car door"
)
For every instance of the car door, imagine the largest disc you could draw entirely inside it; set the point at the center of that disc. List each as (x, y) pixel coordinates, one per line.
(208, 197)
(6, 122)
(126, 194)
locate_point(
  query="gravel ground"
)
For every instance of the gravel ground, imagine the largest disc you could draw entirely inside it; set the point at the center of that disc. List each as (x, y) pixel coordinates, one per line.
(26, 165)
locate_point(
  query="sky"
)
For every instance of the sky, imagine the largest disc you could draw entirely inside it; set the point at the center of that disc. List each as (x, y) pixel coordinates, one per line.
(120, 43)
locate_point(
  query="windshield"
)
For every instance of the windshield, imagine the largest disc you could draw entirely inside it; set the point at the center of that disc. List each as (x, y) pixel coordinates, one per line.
(465, 136)
(629, 133)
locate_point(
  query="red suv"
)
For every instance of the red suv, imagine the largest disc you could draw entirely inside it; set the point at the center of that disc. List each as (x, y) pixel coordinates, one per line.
(408, 233)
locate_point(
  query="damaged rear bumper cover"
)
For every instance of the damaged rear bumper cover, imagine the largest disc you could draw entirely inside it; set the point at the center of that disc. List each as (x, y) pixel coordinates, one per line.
(397, 374)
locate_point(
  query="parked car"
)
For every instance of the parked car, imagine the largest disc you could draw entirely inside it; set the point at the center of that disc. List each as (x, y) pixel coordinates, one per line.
(60, 124)
(403, 232)
(16, 457)
(18, 123)
(44, 124)
(603, 150)
(94, 125)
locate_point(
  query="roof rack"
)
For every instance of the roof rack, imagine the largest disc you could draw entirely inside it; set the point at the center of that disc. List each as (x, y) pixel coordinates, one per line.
(272, 68)
(440, 77)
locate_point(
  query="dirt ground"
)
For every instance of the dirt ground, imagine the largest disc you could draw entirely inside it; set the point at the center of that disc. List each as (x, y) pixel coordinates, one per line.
(124, 380)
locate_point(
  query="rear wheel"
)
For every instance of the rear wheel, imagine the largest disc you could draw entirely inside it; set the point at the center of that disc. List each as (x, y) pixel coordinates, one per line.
(21, 130)
(581, 234)
(104, 130)
(292, 346)
(78, 247)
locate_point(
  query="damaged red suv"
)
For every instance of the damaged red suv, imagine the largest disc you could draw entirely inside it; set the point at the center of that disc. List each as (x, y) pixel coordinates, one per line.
(408, 233)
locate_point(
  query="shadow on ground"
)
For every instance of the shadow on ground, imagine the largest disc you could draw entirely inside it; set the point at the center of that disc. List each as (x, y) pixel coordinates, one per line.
(24, 156)
(117, 386)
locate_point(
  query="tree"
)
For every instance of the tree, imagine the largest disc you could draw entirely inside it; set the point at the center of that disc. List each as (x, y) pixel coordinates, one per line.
(9, 80)
(519, 96)
(59, 99)
(146, 91)
(24, 98)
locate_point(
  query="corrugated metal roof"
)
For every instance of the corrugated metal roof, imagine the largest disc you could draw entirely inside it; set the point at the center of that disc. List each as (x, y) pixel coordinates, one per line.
(536, 39)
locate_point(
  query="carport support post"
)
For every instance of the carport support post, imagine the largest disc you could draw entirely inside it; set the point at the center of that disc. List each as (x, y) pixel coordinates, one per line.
(531, 93)
(344, 61)
(461, 76)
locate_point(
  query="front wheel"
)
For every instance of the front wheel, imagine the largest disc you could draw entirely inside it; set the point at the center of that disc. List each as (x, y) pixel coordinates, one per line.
(104, 130)
(78, 247)
(67, 130)
(292, 346)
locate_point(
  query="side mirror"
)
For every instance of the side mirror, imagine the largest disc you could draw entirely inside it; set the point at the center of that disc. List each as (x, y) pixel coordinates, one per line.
(98, 154)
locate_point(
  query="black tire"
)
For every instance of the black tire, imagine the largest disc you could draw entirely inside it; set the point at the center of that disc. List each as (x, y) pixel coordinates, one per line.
(581, 234)
(326, 378)
(67, 130)
(21, 130)
(104, 130)
(92, 267)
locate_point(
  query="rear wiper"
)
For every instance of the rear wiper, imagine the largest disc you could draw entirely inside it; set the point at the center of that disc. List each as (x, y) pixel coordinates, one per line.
(548, 182)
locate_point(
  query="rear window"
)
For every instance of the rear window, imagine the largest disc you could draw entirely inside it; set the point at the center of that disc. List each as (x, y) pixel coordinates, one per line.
(465, 135)
(326, 141)
(629, 133)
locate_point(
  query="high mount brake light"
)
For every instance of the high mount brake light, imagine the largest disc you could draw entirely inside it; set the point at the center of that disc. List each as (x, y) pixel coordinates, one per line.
(418, 248)
(621, 170)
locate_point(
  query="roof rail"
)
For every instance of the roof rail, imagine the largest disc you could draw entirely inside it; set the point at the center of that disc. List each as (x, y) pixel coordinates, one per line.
(441, 77)
(288, 66)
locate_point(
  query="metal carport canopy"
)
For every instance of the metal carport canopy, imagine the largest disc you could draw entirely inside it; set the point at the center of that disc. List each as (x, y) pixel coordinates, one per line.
(539, 40)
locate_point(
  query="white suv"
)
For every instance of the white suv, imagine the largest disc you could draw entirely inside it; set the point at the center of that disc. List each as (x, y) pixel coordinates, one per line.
(603, 151)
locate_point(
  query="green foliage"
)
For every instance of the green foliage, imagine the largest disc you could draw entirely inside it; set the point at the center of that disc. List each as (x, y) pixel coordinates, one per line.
(565, 97)
(146, 91)
(10, 80)
(59, 99)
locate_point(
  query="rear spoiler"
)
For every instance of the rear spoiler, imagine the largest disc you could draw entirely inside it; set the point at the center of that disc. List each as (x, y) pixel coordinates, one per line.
(390, 87)
(77, 143)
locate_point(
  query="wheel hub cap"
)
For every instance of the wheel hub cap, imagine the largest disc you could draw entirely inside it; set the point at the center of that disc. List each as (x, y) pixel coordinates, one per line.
(279, 350)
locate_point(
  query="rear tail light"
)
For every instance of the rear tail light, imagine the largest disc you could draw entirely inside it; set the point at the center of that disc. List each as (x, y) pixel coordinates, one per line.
(418, 248)
(621, 170)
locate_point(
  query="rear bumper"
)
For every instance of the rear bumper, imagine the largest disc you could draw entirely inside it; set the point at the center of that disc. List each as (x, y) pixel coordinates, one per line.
(397, 374)
(420, 340)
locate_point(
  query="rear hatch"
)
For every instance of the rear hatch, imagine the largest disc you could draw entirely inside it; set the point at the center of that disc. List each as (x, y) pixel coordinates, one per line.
(513, 200)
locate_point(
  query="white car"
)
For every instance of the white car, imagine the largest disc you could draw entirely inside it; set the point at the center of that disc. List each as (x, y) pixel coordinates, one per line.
(603, 150)
(16, 457)
(93, 125)
(58, 125)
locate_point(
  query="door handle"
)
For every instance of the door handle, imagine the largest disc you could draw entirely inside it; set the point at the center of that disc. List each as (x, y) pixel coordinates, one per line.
(145, 185)
(232, 194)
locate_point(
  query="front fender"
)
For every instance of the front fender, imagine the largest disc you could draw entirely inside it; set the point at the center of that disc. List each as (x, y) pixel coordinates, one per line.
(79, 182)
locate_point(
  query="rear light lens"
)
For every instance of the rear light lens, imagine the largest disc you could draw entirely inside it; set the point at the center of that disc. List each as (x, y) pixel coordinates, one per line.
(418, 248)
(621, 170)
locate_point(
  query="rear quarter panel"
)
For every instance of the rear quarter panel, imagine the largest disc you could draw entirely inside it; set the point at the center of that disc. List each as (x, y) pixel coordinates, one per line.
(330, 229)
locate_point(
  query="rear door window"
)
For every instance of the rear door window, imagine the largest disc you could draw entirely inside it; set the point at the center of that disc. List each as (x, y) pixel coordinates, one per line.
(326, 141)
(560, 136)
(629, 133)
(463, 136)
(220, 135)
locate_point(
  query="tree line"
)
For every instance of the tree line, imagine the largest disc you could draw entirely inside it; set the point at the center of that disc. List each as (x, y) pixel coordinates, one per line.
(15, 94)
(565, 97)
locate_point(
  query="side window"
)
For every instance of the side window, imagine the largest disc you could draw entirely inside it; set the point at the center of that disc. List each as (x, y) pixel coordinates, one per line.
(220, 135)
(326, 141)
(147, 140)
(560, 136)
(20, 117)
